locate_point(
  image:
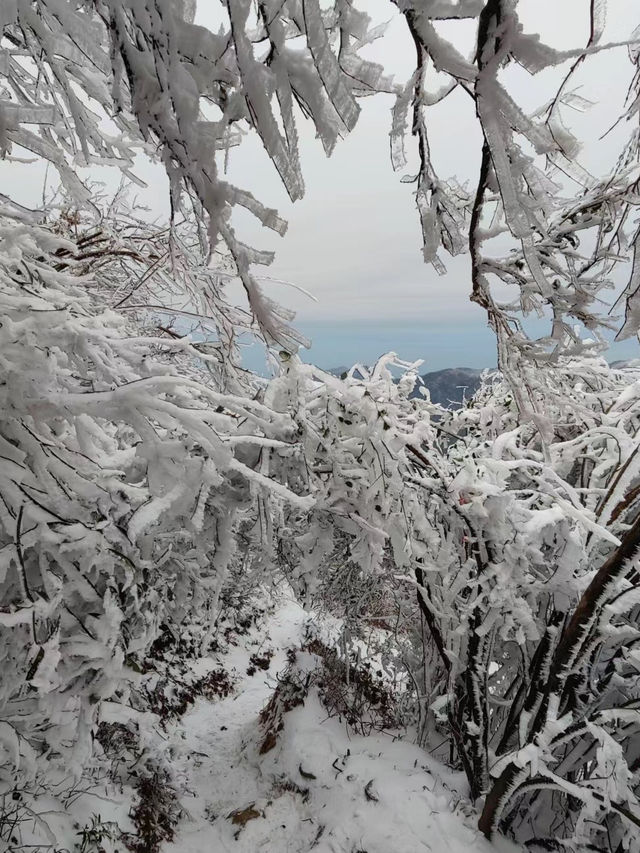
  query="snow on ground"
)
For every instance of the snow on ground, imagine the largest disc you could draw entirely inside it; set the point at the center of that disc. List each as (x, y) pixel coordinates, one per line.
(319, 789)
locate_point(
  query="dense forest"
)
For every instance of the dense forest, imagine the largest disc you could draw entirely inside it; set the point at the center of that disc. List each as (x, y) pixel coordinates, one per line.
(309, 611)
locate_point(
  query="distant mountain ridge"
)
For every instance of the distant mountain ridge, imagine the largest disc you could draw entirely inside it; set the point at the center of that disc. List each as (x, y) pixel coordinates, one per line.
(450, 386)
(446, 387)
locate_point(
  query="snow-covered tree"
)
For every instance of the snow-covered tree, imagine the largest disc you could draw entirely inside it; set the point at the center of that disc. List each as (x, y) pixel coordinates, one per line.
(103, 79)
(127, 468)
(521, 548)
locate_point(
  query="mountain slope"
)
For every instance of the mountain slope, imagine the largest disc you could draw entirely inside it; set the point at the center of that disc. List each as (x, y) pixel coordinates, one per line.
(450, 386)
(446, 387)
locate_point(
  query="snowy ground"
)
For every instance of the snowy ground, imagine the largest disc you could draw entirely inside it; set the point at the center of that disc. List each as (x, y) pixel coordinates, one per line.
(319, 789)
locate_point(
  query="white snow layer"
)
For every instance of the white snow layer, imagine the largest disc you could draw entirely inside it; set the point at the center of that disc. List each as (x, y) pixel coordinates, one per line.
(365, 794)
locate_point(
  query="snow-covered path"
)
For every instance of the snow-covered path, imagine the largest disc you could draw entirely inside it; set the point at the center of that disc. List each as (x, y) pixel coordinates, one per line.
(319, 789)
(215, 737)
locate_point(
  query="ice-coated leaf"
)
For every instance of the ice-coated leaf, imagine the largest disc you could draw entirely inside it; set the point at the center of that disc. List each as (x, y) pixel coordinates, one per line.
(444, 55)
(430, 232)
(598, 20)
(508, 180)
(15, 114)
(399, 122)
(268, 217)
(329, 71)
(631, 324)
(368, 78)
(258, 87)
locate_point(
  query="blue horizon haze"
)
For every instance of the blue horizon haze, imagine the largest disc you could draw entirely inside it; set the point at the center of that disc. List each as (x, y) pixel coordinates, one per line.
(343, 343)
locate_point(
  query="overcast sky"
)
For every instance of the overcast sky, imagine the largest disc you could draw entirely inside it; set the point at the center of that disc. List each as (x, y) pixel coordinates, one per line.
(354, 241)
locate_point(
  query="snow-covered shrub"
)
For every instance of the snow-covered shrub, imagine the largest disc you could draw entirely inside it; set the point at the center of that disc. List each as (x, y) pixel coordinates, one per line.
(122, 481)
(502, 527)
(291, 691)
(155, 808)
(351, 690)
(94, 836)
(155, 814)
(529, 595)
